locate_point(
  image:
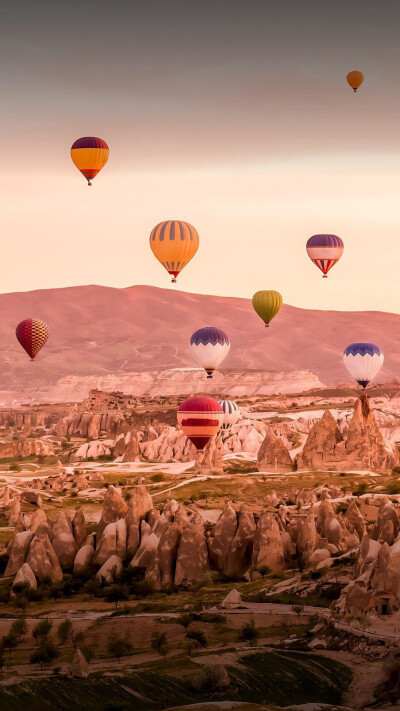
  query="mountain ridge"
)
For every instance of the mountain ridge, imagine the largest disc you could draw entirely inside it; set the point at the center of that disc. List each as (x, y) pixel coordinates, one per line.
(96, 330)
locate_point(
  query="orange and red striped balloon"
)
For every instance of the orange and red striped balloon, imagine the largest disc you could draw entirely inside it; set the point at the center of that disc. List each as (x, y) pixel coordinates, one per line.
(174, 243)
(32, 334)
(90, 154)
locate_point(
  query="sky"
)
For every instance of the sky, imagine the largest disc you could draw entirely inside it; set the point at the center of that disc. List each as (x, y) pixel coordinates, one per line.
(233, 116)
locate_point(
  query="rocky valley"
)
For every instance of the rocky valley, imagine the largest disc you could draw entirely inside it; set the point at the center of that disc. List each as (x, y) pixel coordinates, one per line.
(121, 546)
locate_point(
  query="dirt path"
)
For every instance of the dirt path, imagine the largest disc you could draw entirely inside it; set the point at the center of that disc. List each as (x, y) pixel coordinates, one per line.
(366, 677)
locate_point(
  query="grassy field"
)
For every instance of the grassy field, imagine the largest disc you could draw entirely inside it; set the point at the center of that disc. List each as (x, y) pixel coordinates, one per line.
(271, 677)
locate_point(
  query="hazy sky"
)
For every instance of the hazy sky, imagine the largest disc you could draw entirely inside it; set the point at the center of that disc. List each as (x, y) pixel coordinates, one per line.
(234, 116)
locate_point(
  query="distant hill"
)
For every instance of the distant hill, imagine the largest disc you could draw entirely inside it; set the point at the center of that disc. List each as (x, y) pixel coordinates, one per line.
(96, 330)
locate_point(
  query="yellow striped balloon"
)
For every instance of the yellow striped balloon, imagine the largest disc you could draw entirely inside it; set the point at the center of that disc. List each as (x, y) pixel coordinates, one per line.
(267, 304)
(90, 154)
(174, 243)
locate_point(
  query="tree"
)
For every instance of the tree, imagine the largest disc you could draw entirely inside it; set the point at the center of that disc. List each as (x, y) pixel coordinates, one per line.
(64, 630)
(2, 659)
(116, 593)
(22, 601)
(10, 641)
(159, 643)
(185, 619)
(66, 633)
(298, 609)
(45, 654)
(42, 630)
(119, 647)
(19, 627)
(264, 570)
(249, 633)
(197, 636)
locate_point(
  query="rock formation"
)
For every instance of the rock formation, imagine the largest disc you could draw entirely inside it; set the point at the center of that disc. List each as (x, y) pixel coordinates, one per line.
(273, 455)
(268, 548)
(363, 447)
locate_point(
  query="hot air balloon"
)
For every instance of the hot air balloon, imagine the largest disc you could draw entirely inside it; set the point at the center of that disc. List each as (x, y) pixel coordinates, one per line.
(363, 361)
(267, 304)
(90, 154)
(210, 346)
(355, 79)
(325, 251)
(231, 414)
(200, 419)
(174, 243)
(32, 334)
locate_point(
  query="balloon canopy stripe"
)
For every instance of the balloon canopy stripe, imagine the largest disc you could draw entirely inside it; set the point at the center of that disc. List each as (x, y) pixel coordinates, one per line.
(89, 142)
(362, 349)
(325, 241)
(209, 334)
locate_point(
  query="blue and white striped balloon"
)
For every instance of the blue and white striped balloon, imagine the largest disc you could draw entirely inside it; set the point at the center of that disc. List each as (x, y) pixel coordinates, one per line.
(231, 414)
(363, 361)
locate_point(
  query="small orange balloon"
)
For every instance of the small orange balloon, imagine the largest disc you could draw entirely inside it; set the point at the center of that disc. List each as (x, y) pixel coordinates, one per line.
(355, 79)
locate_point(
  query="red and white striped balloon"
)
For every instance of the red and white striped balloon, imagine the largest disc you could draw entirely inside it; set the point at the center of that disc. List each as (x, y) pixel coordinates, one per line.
(200, 418)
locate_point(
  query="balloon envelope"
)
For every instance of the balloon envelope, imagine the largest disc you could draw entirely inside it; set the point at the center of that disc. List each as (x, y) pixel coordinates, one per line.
(32, 334)
(174, 243)
(355, 79)
(90, 154)
(324, 251)
(363, 361)
(210, 346)
(267, 304)
(231, 413)
(200, 419)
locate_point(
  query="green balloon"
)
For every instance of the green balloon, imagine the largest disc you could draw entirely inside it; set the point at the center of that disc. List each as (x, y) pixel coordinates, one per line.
(267, 304)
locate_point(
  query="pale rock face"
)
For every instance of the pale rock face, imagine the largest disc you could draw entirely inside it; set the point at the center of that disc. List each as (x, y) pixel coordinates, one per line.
(240, 551)
(132, 451)
(387, 526)
(25, 575)
(365, 444)
(232, 601)
(325, 514)
(161, 571)
(114, 507)
(368, 554)
(96, 449)
(192, 558)
(43, 560)
(36, 521)
(289, 547)
(223, 535)
(360, 446)
(139, 505)
(79, 526)
(320, 554)
(320, 448)
(268, 548)
(307, 538)
(111, 568)
(273, 455)
(15, 511)
(83, 558)
(17, 551)
(170, 445)
(107, 545)
(148, 547)
(6, 496)
(121, 531)
(355, 519)
(80, 667)
(63, 541)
